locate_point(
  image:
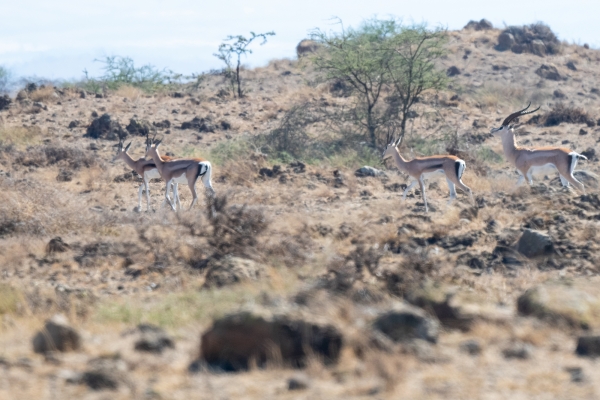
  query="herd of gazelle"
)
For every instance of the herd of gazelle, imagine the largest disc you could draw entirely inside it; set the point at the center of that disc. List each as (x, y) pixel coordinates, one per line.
(187, 170)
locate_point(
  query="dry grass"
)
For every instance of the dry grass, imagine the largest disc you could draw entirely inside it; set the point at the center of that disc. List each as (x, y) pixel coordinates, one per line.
(19, 136)
(129, 92)
(44, 94)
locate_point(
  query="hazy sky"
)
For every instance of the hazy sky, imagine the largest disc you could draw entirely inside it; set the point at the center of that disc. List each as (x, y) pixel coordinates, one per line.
(59, 38)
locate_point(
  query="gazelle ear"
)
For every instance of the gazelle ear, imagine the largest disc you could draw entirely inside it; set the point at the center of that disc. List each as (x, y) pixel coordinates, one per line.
(128, 146)
(158, 143)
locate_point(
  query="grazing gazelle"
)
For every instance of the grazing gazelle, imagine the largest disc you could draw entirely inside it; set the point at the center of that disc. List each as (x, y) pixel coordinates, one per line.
(451, 166)
(563, 159)
(181, 171)
(147, 170)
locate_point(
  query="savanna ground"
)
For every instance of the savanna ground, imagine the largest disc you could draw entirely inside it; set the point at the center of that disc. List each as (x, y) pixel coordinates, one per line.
(348, 242)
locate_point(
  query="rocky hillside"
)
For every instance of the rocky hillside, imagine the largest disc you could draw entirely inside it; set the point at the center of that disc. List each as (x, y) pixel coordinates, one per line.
(313, 278)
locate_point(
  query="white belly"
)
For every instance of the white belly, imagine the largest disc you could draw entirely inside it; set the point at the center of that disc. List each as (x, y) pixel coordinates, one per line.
(152, 174)
(180, 179)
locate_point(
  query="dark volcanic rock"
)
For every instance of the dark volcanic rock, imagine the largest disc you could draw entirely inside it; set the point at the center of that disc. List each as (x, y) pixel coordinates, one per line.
(104, 127)
(57, 335)
(588, 346)
(550, 72)
(138, 127)
(153, 339)
(453, 71)
(408, 323)
(199, 124)
(5, 102)
(230, 270)
(235, 341)
(534, 244)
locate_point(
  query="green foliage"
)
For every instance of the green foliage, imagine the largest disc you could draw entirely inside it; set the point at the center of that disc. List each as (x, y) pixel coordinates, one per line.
(386, 65)
(119, 71)
(237, 46)
(5, 79)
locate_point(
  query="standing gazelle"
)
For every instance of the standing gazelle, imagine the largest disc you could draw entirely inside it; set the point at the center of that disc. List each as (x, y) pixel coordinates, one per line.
(146, 169)
(420, 167)
(563, 159)
(181, 171)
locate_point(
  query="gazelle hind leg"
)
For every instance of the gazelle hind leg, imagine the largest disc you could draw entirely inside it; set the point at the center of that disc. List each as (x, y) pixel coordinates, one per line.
(140, 196)
(194, 195)
(167, 199)
(408, 189)
(564, 182)
(422, 186)
(530, 176)
(452, 188)
(575, 183)
(176, 198)
(147, 184)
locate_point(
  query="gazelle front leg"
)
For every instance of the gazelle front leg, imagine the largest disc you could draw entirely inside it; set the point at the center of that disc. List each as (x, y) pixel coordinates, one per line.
(530, 176)
(139, 207)
(147, 185)
(176, 195)
(452, 188)
(408, 188)
(422, 186)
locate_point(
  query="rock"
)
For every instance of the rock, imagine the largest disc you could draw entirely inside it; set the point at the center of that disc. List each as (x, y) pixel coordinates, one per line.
(583, 132)
(571, 66)
(456, 307)
(225, 125)
(57, 335)
(40, 105)
(298, 167)
(538, 47)
(590, 153)
(588, 346)
(535, 244)
(559, 94)
(482, 25)
(105, 373)
(298, 382)
(549, 71)
(574, 303)
(519, 350)
(471, 346)
(56, 245)
(83, 94)
(199, 124)
(408, 323)
(153, 339)
(165, 124)
(505, 41)
(306, 47)
(368, 171)
(576, 373)
(138, 127)
(104, 127)
(236, 341)
(230, 270)
(5, 102)
(453, 71)
(74, 124)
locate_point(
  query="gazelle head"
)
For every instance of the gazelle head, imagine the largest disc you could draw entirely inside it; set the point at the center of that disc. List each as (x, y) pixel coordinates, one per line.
(388, 152)
(152, 145)
(505, 127)
(121, 151)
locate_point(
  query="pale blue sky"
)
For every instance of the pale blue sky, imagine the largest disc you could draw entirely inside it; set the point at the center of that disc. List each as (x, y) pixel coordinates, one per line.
(58, 39)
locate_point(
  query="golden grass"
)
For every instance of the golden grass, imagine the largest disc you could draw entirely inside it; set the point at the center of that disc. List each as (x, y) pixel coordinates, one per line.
(129, 92)
(44, 94)
(20, 136)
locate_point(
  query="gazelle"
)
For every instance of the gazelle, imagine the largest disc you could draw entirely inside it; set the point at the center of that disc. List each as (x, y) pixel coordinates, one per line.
(181, 171)
(420, 167)
(563, 159)
(146, 169)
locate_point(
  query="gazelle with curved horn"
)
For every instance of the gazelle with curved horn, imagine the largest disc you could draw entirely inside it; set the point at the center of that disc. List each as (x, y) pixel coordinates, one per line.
(146, 169)
(181, 171)
(526, 160)
(451, 166)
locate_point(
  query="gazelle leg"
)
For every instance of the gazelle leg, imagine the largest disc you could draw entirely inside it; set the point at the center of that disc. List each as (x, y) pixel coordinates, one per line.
(176, 194)
(575, 183)
(564, 182)
(530, 176)
(408, 188)
(140, 196)
(167, 199)
(452, 188)
(194, 195)
(422, 186)
(521, 178)
(147, 195)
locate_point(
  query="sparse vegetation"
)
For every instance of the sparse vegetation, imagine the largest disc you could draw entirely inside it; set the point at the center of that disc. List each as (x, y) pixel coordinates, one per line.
(562, 113)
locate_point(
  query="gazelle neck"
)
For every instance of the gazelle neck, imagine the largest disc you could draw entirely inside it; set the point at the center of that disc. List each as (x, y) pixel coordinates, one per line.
(157, 160)
(509, 145)
(400, 162)
(129, 161)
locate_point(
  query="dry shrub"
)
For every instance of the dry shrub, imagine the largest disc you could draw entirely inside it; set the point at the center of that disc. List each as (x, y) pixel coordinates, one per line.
(235, 229)
(19, 135)
(416, 267)
(129, 92)
(68, 157)
(559, 114)
(43, 94)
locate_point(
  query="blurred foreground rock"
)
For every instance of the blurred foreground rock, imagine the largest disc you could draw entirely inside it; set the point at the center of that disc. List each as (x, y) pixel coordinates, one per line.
(237, 341)
(535, 244)
(57, 335)
(406, 323)
(153, 339)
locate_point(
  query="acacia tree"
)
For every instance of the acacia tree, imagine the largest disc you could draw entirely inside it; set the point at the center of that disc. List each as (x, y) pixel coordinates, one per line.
(386, 66)
(237, 46)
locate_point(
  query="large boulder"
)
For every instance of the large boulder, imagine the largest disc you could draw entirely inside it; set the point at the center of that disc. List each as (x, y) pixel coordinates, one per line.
(505, 41)
(404, 323)
(230, 270)
(138, 127)
(588, 345)
(57, 335)
(550, 72)
(574, 303)
(105, 373)
(482, 25)
(235, 342)
(306, 47)
(199, 124)
(535, 244)
(104, 127)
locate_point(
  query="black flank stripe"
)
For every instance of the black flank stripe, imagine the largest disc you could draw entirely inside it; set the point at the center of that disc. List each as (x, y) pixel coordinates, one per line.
(457, 166)
(439, 166)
